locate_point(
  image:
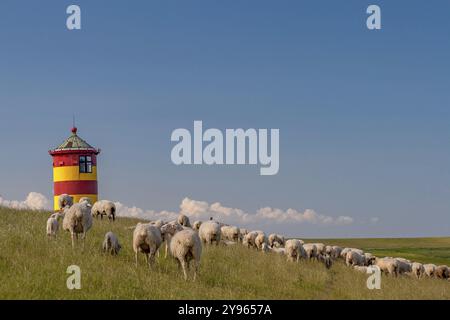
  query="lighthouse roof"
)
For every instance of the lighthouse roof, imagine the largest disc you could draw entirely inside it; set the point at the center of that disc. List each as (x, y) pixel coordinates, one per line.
(75, 143)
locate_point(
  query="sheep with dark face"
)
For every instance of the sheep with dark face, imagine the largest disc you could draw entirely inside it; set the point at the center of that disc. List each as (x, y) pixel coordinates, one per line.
(104, 208)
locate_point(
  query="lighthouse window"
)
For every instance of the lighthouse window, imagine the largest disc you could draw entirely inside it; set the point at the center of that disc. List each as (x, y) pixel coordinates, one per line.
(85, 164)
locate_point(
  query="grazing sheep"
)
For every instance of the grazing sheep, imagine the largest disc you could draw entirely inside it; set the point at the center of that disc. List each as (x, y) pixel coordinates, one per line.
(249, 239)
(111, 244)
(369, 259)
(52, 226)
(185, 245)
(417, 269)
(104, 208)
(78, 220)
(64, 200)
(260, 240)
(430, 270)
(336, 252)
(344, 252)
(184, 220)
(329, 250)
(387, 265)
(265, 247)
(320, 248)
(209, 232)
(353, 258)
(276, 240)
(196, 225)
(230, 233)
(242, 233)
(404, 266)
(146, 239)
(442, 272)
(311, 250)
(325, 259)
(87, 199)
(294, 250)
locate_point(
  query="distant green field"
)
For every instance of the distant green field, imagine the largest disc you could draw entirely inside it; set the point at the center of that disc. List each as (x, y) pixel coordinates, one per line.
(32, 267)
(424, 250)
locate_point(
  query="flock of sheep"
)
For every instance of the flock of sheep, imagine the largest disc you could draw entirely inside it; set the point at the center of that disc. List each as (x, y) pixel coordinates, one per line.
(184, 241)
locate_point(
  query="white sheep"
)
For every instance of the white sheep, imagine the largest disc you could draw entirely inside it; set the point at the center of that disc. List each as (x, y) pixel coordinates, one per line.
(442, 272)
(344, 252)
(311, 250)
(260, 240)
(104, 208)
(276, 240)
(417, 269)
(64, 200)
(185, 245)
(209, 232)
(230, 233)
(249, 239)
(242, 233)
(146, 239)
(294, 250)
(78, 220)
(353, 258)
(184, 220)
(387, 265)
(196, 225)
(111, 244)
(87, 199)
(281, 251)
(320, 248)
(52, 226)
(429, 269)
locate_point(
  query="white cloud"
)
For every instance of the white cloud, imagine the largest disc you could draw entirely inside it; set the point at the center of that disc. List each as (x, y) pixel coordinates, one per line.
(34, 201)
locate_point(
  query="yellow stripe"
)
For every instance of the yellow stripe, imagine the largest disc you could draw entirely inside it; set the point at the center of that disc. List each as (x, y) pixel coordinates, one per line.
(76, 198)
(72, 173)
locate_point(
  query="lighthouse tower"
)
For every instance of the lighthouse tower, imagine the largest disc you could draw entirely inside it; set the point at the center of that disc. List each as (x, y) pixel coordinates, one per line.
(75, 169)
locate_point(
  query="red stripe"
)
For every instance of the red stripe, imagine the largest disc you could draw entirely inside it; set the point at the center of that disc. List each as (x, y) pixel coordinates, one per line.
(63, 160)
(75, 187)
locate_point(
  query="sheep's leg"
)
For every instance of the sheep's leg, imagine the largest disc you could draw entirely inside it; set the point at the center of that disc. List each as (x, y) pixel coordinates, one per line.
(167, 250)
(183, 265)
(136, 258)
(73, 240)
(196, 263)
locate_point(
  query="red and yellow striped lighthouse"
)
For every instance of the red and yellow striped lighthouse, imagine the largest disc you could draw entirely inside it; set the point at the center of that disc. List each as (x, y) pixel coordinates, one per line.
(75, 169)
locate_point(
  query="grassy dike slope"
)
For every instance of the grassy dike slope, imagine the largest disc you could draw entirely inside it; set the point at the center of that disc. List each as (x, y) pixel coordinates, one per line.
(32, 267)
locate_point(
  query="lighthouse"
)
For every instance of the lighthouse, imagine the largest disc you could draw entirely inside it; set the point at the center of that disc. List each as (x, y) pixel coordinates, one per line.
(75, 169)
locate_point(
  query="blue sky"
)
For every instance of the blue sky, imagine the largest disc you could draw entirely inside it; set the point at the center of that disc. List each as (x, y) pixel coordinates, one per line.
(364, 116)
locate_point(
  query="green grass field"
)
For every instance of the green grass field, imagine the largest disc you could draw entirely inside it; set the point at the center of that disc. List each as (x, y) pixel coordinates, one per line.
(32, 267)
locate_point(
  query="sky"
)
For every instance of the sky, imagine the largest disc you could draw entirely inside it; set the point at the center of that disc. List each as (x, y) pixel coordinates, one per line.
(364, 116)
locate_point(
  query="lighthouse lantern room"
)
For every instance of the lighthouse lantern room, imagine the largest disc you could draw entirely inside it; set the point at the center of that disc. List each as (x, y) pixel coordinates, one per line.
(75, 169)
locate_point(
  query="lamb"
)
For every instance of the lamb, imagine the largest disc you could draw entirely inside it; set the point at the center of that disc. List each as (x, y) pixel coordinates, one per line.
(417, 269)
(294, 250)
(111, 244)
(209, 232)
(276, 240)
(387, 265)
(64, 200)
(260, 240)
(146, 239)
(311, 250)
(196, 225)
(52, 226)
(230, 233)
(184, 221)
(429, 270)
(104, 207)
(249, 239)
(442, 272)
(78, 220)
(353, 258)
(87, 199)
(185, 245)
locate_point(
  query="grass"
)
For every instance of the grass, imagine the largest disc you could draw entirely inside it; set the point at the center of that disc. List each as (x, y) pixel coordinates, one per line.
(32, 267)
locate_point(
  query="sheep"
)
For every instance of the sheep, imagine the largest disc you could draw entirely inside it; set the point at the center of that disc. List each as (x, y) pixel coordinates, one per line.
(111, 244)
(311, 250)
(387, 265)
(249, 239)
(196, 225)
(52, 226)
(369, 259)
(260, 240)
(294, 250)
(265, 247)
(157, 223)
(335, 252)
(230, 233)
(104, 207)
(146, 239)
(242, 233)
(87, 199)
(404, 266)
(281, 251)
(276, 240)
(185, 245)
(429, 270)
(344, 252)
(320, 248)
(78, 220)
(64, 200)
(325, 259)
(184, 220)
(417, 269)
(229, 243)
(209, 232)
(442, 272)
(329, 250)
(353, 258)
